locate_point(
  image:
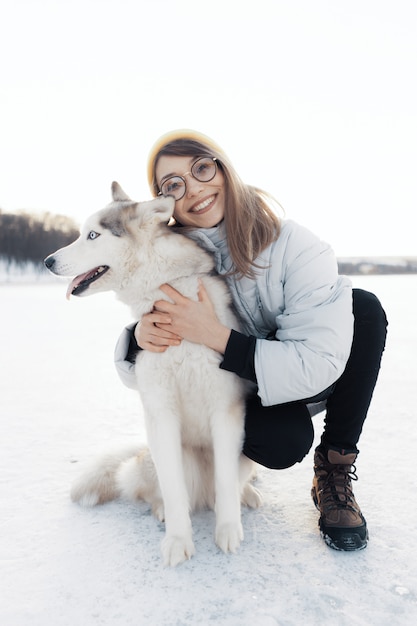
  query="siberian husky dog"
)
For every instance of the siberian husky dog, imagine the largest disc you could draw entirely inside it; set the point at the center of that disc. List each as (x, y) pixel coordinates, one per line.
(194, 411)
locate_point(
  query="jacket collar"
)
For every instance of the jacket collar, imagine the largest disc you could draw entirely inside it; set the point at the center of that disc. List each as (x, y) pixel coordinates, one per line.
(214, 240)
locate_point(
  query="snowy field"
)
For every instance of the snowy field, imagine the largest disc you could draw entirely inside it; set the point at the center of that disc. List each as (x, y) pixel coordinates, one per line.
(61, 401)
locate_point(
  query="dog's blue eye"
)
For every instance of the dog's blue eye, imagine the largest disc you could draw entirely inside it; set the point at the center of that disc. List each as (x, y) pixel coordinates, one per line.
(93, 235)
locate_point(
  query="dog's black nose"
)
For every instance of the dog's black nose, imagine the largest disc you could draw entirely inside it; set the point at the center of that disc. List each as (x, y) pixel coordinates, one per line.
(49, 262)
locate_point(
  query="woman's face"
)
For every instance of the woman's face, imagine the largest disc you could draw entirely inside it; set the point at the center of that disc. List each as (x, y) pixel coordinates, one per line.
(202, 205)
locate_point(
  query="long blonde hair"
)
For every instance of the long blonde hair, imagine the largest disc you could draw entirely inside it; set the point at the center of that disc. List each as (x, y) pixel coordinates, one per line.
(250, 222)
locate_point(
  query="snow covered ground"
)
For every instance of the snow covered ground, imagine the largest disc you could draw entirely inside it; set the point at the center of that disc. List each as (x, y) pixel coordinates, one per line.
(61, 402)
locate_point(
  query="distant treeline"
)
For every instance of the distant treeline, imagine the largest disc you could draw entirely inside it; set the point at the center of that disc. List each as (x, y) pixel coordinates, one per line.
(367, 266)
(27, 238)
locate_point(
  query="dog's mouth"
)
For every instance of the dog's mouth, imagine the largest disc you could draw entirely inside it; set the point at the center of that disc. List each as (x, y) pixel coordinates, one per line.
(82, 282)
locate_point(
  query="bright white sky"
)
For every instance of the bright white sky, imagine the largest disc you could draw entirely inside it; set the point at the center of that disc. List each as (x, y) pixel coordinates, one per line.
(313, 100)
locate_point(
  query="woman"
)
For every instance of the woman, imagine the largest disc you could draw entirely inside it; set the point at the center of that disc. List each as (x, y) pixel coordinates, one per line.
(307, 340)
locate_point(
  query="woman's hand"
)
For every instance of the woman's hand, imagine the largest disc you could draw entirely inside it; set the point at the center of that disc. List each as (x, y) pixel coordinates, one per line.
(152, 332)
(193, 320)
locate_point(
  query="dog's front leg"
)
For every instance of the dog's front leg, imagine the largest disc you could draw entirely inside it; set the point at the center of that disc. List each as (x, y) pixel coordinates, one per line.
(165, 444)
(227, 443)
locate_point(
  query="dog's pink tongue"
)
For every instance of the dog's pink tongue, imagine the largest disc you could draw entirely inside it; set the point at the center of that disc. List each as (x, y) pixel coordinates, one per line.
(75, 282)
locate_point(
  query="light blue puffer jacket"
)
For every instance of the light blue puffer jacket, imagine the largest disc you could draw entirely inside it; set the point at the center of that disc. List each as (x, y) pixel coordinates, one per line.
(299, 299)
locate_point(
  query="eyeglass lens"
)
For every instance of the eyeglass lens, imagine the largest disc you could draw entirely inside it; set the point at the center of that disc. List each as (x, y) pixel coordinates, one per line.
(203, 170)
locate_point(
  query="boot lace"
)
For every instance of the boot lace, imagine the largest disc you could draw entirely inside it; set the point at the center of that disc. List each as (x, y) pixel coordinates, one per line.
(336, 488)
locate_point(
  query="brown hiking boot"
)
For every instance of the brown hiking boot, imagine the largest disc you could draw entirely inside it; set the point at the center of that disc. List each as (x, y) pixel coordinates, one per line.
(341, 522)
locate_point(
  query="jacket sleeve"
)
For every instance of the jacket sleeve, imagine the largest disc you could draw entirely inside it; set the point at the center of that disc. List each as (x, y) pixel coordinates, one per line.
(124, 357)
(314, 329)
(239, 356)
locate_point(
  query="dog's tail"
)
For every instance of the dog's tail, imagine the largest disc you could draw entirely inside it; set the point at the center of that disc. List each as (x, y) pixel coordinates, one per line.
(97, 483)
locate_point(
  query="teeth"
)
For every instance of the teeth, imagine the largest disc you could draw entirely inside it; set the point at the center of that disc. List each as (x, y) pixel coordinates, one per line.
(203, 205)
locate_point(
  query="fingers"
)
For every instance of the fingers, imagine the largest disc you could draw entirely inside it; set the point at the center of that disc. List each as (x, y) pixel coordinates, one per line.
(202, 292)
(152, 333)
(172, 293)
(178, 299)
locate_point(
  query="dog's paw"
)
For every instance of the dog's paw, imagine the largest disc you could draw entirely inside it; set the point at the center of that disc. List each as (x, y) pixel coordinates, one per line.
(251, 497)
(176, 550)
(229, 536)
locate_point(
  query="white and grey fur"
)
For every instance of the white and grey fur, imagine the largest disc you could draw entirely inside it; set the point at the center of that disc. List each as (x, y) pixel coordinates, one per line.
(194, 411)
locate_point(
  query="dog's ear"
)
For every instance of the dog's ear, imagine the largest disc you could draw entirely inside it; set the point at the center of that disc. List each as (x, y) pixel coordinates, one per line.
(118, 194)
(158, 210)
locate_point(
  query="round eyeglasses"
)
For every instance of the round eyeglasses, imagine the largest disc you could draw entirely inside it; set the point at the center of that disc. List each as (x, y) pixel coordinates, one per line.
(203, 170)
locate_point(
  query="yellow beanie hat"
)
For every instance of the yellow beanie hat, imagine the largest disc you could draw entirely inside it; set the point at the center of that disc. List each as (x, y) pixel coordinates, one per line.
(174, 135)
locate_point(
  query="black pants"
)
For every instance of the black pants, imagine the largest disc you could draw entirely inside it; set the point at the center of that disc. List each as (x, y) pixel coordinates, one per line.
(279, 436)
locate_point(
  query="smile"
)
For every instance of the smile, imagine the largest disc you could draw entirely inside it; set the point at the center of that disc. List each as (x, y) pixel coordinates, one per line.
(203, 205)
